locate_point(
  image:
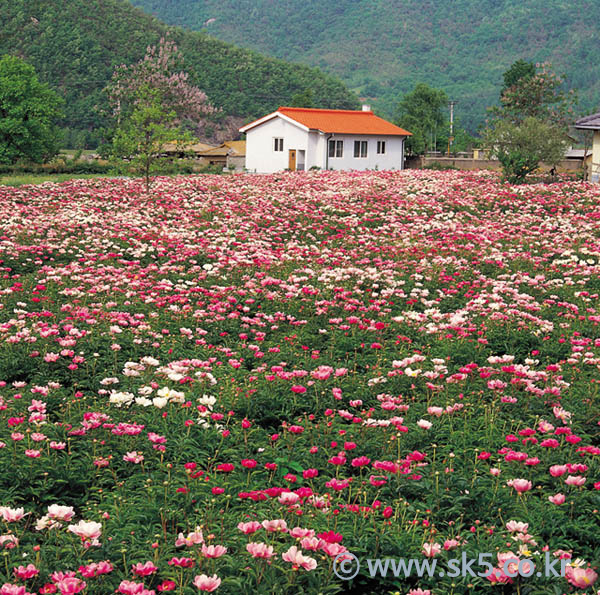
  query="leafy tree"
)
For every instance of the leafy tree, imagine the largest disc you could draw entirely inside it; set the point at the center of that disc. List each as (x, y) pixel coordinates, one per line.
(539, 95)
(152, 105)
(420, 112)
(304, 99)
(521, 147)
(530, 125)
(519, 71)
(28, 113)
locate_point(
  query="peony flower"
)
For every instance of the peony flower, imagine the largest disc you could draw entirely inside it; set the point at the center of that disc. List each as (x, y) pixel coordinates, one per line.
(277, 525)
(557, 499)
(145, 569)
(431, 549)
(298, 559)
(88, 531)
(207, 583)
(213, 551)
(70, 585)
(26, 572)
(11, 515)
(250, 527)
(60, 513)
(517, 526)
(580, 577)
(520, 485)
(194, 538)
(260, 550)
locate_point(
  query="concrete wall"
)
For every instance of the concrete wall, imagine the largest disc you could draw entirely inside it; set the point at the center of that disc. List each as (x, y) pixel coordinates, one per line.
(565, 166)
(236, 162)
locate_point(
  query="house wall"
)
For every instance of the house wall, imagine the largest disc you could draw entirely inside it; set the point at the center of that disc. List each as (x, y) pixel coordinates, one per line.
(595, 165)
(393, 158)
(260, 156)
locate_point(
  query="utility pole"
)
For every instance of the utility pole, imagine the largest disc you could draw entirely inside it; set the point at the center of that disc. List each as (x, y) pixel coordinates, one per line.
(451, 138)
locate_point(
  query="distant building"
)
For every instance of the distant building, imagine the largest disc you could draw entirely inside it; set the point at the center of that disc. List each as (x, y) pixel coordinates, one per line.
(185, 150)
(301, 138)
(230, 155)
(592, 123)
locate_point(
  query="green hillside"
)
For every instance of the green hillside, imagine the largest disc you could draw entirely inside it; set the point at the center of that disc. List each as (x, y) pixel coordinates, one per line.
(75, 44)
(381, 48)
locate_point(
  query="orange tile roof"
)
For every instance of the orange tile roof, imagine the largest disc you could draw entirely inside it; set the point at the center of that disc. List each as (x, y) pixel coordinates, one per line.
(337, 121)
(342, 121)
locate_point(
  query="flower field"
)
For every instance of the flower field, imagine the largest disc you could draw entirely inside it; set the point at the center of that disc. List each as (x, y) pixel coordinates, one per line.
(225, 386)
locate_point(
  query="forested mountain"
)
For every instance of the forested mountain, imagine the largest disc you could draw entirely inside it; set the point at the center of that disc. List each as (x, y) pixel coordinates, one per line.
(382, 48)
(75, 44)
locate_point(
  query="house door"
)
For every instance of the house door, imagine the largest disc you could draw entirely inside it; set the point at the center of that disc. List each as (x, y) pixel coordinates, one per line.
(292, 160)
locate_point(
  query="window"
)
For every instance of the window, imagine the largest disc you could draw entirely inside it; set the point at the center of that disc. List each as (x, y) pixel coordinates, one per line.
(380, 147)
(360, 148)
(336, 148)
(278, 144)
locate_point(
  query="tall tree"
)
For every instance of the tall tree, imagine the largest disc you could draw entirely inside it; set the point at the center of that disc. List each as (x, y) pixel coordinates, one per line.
(519, 71)
(153, 104)
(28, 114)
(540, 95)
(530, 125)
(420, 112)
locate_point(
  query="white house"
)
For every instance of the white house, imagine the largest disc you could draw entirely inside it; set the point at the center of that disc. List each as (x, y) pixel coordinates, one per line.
(297, 138)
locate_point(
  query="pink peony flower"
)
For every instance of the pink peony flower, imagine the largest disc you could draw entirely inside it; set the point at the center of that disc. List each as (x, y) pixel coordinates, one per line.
(194, 538)
(87, 530)
(250, 527)
(26, 572)
(277, 525)
(431, 549)
(145, 569)
(60, 513)
(260, 550)
(9, 589)
(207, 583)
(70, 585)
(520, 485)
(557, 499)
(558, 470)
(213, 551)
(11, 515)
(298, 560)
(580, 577)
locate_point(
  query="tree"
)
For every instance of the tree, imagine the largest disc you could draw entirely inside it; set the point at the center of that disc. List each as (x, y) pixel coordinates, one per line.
(521, 147)
(28, 114)
(531, 123)
(518, 72)
(539, 95)
(152, 105)
(302, 99)
(420, 112)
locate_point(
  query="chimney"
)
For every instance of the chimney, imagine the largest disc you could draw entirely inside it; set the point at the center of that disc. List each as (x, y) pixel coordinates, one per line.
(366, 107)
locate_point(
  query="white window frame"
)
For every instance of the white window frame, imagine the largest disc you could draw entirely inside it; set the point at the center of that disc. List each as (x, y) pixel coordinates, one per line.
(338, 149)
(277, 144)
(361, 147)
(380, 147)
